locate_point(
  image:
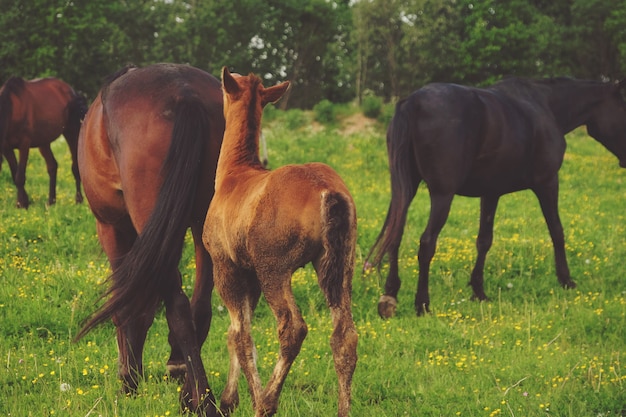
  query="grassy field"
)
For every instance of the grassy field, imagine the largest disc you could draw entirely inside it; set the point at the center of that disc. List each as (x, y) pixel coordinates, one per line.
(533, 350)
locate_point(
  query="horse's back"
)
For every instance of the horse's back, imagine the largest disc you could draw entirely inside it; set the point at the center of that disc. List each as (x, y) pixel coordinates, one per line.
(39, 111)
(472, 141)
(127, 134)
(275, 209)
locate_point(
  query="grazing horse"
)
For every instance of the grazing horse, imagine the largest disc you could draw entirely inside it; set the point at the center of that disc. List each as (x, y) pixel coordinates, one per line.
(486, 143)
(147, 155)
(261, 227)
(32, 115)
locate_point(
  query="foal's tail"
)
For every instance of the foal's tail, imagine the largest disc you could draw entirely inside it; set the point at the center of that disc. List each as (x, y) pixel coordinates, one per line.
(339, 241)
(148, 272)
(404, 182)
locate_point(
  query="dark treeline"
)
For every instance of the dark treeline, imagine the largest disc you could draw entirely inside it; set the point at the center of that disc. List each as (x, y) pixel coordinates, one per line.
(330, 49)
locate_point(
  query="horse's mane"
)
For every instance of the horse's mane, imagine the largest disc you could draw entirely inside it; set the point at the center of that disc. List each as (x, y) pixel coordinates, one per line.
(251, 146)
(14, 85)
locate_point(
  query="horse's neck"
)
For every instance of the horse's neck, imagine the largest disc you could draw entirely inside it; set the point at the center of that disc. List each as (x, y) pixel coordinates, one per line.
(240, 148)
(572, 103)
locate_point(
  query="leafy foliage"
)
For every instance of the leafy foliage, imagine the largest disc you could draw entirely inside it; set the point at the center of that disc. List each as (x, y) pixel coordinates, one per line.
(335, 50)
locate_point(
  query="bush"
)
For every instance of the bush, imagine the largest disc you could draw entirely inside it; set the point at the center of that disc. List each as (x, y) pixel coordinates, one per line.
(371, 106)
(295, 118)
(387, 113)
(324, 112)
(270, 113)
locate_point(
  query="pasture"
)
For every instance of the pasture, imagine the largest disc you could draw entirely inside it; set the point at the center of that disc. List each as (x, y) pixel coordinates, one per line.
(534, 349)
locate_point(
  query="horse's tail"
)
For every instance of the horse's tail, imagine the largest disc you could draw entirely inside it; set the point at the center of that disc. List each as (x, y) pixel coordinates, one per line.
(148, 271)
(404, 182)
(77, 108)
(14, 85)
(338, 240)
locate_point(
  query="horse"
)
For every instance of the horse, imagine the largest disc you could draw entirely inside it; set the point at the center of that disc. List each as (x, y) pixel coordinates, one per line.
(261, 227)
(32, 115)
(147, 155)
(486, 143)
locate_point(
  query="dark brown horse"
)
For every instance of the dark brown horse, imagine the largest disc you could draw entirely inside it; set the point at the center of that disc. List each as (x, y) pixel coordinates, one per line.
(486, 143)
(32, 115)
(260, 228)
(147, 154)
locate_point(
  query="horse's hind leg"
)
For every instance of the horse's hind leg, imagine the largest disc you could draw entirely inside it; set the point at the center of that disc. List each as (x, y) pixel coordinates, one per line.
(71, 136)
(389, 300)
(19, 178)
(52, 167)
(484, 240)
(196, 395)
(116, 241)
(200, 307)
(131, 338)
(439, 210)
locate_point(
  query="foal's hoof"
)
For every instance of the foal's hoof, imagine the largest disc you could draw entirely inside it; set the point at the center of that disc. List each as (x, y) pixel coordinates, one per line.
(387, 306)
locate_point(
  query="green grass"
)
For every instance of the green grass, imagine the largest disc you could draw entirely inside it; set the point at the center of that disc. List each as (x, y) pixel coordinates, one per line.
(533, 350)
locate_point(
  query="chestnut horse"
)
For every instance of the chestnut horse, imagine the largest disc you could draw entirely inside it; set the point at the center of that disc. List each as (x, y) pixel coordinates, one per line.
(486, 143)
(32, 115)
(261, 227)
(147, 154)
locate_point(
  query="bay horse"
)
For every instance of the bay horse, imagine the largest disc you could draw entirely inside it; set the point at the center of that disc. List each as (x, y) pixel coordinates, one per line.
(33, 114)
(147, 154)
(486, 143)
(261, 227)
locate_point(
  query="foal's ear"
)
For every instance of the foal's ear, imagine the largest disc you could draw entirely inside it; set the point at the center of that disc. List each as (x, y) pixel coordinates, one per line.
(228, 81)
(273, 94)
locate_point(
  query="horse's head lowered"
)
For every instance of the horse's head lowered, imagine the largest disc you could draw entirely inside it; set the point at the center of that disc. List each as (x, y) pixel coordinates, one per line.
(607, 123)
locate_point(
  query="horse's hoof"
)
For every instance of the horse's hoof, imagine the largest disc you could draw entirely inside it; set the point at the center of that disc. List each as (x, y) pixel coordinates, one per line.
(177, 371)
(421, 309)
(479, 297)
(387, 306)
(569, 284)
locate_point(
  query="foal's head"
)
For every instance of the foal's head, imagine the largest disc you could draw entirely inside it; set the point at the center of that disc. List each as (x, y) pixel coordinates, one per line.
(248, 93)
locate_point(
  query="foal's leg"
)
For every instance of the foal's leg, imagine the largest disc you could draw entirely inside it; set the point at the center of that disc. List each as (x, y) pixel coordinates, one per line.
(52, 166)
(488, 205)
(548, 196)
(343, 343)
(291, 333)
(439, 210)
(240, 293)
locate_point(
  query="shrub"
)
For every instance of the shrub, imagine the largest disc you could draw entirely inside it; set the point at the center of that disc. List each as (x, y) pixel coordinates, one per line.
(324, 112)
(371, 106)
(295, 118)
